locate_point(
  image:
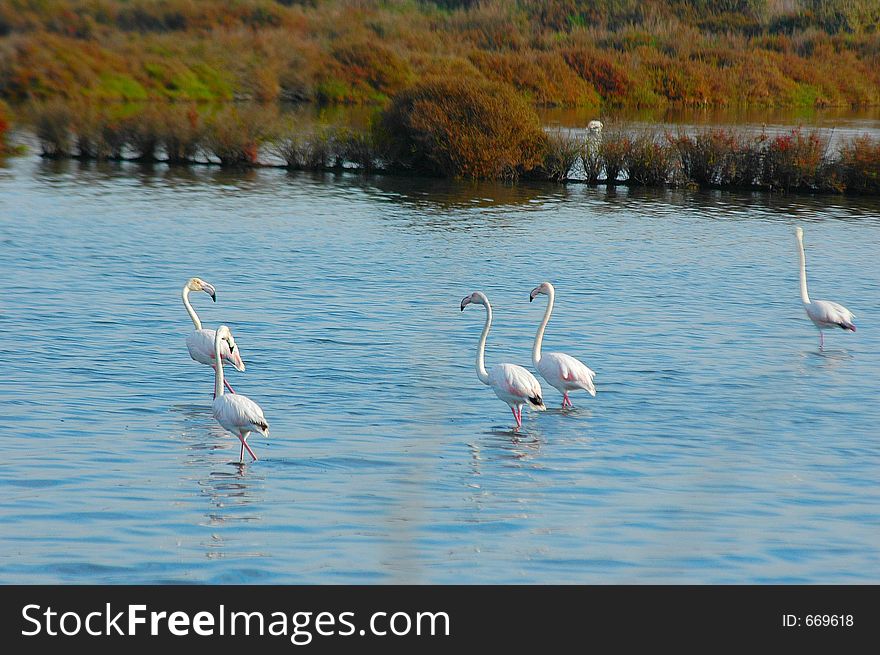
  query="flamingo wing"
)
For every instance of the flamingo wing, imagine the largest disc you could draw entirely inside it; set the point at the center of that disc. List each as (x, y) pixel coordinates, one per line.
(518, 383)
(832, 313)
(239, 413)
(568, 372)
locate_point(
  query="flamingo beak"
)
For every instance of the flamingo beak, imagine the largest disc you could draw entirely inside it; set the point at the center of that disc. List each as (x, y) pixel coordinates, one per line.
(534, 293)
(209, 289)
(236, 360)
(465, 302)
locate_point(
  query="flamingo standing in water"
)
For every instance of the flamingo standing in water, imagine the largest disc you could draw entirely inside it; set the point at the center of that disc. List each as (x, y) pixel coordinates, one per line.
(511, 383)
(200, 342)
(563, 372)
(824, 313)
(238, 414)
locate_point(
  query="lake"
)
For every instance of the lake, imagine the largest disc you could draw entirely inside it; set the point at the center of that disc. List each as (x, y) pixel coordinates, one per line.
(722, 447)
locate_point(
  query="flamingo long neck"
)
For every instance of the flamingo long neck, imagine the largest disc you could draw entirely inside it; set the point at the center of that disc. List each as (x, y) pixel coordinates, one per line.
(218, 360)
(190, 310)
(539, 335)
(805, 297)
(481, 348)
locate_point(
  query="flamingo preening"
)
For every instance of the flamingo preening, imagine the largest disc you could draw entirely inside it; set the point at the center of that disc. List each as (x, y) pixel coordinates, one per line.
(824, 313)
(563, 372)
(200, 342)
(238, 414)
(511, 383)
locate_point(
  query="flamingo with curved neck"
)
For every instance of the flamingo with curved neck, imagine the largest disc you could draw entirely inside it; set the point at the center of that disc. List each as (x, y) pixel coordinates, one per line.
(511, 383)
(200, 342)
(825, 314)
(562, 372)
(237, 413)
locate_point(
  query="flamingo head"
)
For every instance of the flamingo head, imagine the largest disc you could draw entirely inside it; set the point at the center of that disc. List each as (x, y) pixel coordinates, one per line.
(198, 284)
(545, 288)
(234, 354)
(476, 298)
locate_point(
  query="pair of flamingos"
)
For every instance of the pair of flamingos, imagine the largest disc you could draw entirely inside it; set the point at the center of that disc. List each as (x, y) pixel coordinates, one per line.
(238, 414)
(517, 387)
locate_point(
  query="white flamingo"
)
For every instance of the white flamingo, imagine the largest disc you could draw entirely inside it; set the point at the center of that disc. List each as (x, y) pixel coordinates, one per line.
(238, 414)
(511, 383)
(200, 342)
(563, 372)
(824, 313)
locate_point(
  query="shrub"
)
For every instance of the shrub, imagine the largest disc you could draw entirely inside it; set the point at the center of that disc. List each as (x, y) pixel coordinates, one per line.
(53, 123)
(794, 160)
(317, 150)
(860, 164)
(613, 152)
(561, 154)
(463, 127)
(649, 162)
(4, 127)
(181, 133)
(234, 135)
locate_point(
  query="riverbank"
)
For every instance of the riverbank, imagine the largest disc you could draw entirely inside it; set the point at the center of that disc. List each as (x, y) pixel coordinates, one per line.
(798, 160)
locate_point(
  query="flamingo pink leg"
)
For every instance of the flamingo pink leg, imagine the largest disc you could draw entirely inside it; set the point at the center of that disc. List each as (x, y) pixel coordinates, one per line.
(519, 416)
(565, 401)
(821, 340)
(244, 445)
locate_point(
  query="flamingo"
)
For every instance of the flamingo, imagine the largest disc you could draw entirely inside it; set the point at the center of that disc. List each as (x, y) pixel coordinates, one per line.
(238, 414)
(200, 342)
(511, 383)
(824, 313)
(563, 372)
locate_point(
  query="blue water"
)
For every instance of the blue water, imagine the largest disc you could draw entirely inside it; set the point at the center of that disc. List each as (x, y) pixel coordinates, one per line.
(722, 447)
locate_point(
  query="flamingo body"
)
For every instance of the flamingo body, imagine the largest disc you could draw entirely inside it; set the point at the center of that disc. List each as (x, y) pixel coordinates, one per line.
(236, 413)
(562, 372)
(516, 386)
(511, 383)
(565, 373)
(826, 315)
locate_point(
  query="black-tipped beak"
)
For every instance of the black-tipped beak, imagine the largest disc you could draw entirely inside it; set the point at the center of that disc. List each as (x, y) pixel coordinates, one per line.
(465, 302)
(531, 297)
(214, 297)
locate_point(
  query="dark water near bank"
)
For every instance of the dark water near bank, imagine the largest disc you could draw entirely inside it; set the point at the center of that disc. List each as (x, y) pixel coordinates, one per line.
(722, 446)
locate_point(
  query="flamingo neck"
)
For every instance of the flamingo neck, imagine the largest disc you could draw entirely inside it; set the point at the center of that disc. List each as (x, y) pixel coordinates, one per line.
(482, 374)
(218, 366)
(189, 309)
(805, 297)
(539, 335)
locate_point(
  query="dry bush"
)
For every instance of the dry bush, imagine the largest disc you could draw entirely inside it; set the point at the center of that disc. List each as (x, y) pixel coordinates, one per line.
(795, 160)
(860, 164)
(613, 152)
(234, 135)
(53, 124)
(649, 161)
(461, 127)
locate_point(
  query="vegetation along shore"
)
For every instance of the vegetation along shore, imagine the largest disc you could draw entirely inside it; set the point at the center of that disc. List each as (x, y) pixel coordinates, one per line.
(454, 84)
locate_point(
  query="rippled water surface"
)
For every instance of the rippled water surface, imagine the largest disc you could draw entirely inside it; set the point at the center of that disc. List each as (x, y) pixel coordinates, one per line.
(722, 447)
